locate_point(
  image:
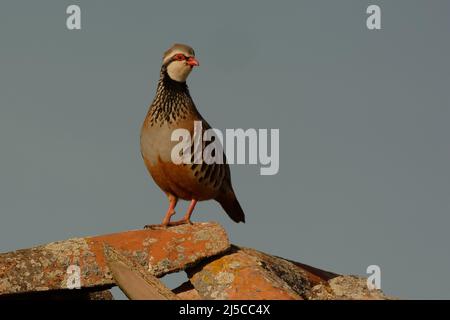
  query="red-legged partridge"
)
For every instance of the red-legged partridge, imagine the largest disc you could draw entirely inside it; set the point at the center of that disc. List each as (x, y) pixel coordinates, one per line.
(173, 108)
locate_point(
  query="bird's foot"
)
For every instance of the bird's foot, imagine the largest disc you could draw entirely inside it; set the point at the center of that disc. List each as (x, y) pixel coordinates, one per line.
(165, 222)
(154, 226)
(165, 225)
(179, 222)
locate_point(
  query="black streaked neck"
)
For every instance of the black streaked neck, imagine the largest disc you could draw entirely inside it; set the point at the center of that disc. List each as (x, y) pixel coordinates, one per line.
(172, 100)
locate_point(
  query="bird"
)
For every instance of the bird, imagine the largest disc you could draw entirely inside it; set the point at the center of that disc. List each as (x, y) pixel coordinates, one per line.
(173, 108)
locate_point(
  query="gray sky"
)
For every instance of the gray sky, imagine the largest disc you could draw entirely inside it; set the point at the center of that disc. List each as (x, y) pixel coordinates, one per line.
(363, 116)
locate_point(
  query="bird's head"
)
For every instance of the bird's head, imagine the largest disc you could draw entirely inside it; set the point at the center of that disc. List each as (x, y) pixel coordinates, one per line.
(179, 61)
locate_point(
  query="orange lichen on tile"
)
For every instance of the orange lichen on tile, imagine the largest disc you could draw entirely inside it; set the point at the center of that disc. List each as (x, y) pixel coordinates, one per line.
(238, 276)
(160, 250)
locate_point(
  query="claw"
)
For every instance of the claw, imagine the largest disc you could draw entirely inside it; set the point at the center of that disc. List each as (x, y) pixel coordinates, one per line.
(179, 222)
(155, 226)
(168, 224)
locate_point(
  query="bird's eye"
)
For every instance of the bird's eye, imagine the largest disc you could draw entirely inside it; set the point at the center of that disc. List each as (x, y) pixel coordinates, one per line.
(179, 57)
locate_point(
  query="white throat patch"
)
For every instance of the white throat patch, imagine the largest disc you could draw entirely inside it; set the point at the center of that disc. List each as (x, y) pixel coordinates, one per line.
(178, 70)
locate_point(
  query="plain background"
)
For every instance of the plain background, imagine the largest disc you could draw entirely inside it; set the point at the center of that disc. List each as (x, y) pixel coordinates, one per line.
(363, 116)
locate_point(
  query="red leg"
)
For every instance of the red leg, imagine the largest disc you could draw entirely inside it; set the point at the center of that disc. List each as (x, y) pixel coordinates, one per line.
(170, 212)
(189, 211)
(187, 217)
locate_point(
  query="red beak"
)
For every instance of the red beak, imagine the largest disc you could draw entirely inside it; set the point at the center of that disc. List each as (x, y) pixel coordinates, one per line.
(192, 62)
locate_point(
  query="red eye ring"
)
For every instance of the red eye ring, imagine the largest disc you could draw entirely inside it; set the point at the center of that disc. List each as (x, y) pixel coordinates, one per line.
(179, 57)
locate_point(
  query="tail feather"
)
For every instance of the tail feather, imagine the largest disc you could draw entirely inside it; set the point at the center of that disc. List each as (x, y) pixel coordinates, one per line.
(232, 207)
